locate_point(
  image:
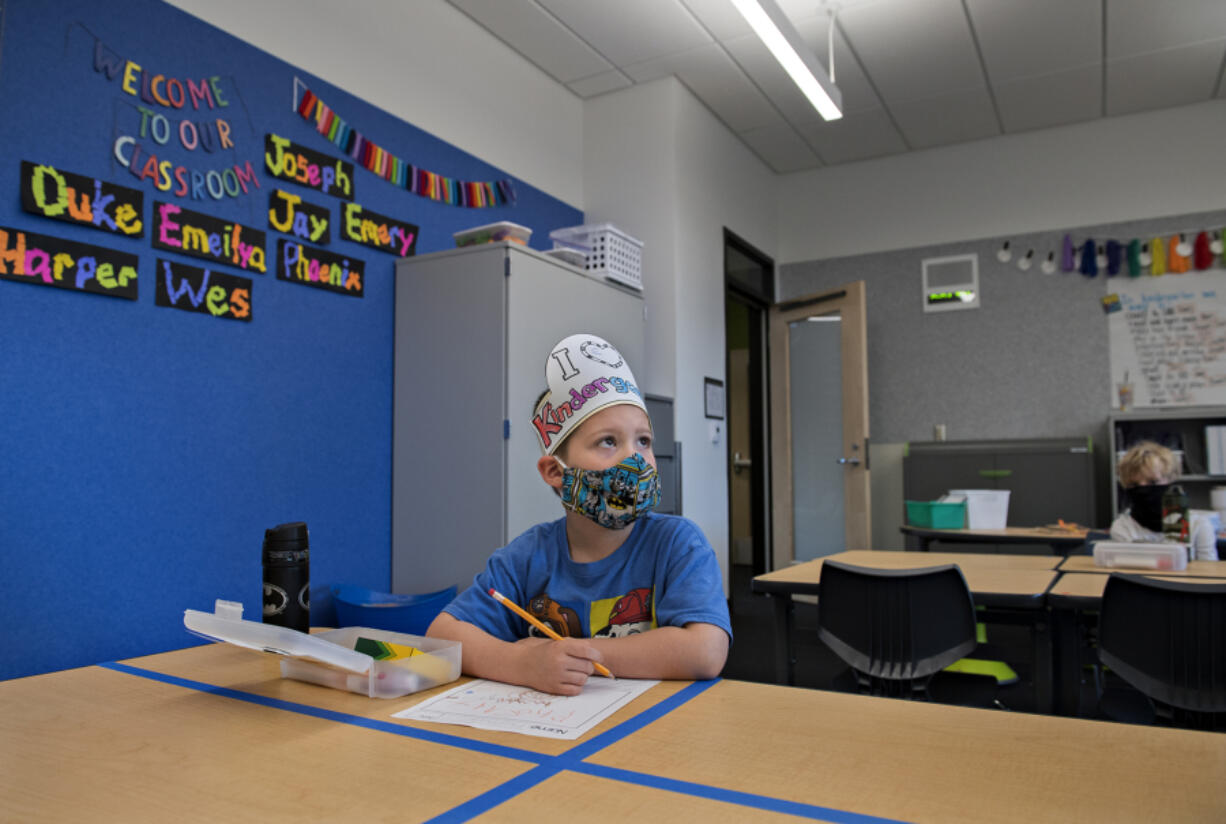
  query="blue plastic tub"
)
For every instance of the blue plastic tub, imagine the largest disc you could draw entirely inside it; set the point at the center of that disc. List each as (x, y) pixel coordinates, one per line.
(361, 607)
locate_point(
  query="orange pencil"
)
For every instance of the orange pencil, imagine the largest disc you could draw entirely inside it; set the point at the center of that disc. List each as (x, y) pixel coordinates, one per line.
(536, 622)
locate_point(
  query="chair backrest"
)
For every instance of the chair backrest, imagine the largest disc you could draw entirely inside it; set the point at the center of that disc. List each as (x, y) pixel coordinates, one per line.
(896, 624)
(1167, 639)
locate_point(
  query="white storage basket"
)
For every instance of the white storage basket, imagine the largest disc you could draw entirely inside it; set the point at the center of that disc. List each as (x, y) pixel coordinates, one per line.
(610, 251)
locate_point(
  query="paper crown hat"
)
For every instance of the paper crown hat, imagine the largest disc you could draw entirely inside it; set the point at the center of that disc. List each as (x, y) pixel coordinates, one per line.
(584, 374)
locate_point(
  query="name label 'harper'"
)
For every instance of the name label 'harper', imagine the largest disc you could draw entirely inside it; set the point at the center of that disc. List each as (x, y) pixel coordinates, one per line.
(51, 261)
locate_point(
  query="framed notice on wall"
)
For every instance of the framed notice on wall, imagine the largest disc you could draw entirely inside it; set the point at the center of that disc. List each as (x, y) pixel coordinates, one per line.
(1168, 341)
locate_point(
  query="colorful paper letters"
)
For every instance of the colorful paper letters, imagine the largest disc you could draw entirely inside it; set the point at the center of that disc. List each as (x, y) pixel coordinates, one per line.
(201, 290)
(298, 164)
(51, 261)
(192, 233)
(292, 215)
(373, 229)
(85, 201)
(319, 268)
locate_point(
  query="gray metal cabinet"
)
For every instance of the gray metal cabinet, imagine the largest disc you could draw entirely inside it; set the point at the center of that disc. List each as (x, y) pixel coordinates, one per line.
(1048, 478)
(473, 329)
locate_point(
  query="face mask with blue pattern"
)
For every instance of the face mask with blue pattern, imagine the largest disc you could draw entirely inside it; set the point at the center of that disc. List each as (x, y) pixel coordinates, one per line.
(612, 497)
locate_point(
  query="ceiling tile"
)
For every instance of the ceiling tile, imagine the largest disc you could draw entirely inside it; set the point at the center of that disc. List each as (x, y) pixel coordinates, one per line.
(714, 79)
(1037, 37)
(858, 93)
(766, 73)
(630, 31)
(858, 135)
(1139, 26)
(780, 148)
(1167, 78)
(599, 84)
(947, 118)
(915, 49)
(1051, 100)
(538, 36)
(719, 17)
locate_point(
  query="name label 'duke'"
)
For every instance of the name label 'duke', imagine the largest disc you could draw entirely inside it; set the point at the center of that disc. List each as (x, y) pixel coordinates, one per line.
(176, 229)
(85, 201)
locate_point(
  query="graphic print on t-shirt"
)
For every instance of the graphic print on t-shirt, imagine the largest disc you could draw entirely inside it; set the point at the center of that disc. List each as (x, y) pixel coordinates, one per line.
(623, 615)
(627, 615)
(562, 620)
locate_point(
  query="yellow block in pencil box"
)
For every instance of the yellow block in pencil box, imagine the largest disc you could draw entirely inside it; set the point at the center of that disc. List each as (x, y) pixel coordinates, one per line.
(411, 658)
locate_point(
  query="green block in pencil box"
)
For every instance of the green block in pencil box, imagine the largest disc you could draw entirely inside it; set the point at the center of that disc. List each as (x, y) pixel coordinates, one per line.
(937, 514)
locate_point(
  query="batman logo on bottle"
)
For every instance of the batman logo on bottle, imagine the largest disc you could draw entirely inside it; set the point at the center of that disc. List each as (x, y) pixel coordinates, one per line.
(276, 599)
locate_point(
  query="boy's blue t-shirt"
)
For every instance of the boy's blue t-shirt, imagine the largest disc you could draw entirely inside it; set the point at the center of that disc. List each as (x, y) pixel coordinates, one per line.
(665, 574)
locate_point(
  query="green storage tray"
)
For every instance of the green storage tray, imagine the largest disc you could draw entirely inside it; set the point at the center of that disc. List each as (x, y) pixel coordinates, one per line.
(936, 515)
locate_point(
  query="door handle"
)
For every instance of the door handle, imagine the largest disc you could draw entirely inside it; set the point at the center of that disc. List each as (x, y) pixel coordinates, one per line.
(739, 463)
(849, 461)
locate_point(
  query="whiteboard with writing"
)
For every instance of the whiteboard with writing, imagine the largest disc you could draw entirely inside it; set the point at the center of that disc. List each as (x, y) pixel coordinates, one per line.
(1169, 339)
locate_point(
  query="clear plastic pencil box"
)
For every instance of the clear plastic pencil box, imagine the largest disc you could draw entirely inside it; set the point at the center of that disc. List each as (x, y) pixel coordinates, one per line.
(329, 658)
(1118, 555)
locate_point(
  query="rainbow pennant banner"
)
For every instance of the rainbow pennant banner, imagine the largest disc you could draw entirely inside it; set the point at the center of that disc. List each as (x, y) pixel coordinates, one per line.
(467, 193)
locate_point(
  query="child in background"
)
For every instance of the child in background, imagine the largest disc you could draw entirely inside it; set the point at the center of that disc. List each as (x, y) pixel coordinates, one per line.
(1146, 471)
(637, 591)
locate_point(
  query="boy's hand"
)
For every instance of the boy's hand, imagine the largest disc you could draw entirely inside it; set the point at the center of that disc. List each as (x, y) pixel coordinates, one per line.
(560, 667)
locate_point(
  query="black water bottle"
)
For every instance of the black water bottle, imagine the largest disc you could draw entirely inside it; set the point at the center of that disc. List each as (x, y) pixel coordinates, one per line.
(287, 576)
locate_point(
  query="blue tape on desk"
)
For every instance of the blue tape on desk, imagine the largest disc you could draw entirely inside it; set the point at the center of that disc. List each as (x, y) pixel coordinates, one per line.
(743, 799)
(332, 715)
(547, 765)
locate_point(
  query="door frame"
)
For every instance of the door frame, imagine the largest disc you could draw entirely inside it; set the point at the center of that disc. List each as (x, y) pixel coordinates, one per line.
(757, 302)
(849, 301)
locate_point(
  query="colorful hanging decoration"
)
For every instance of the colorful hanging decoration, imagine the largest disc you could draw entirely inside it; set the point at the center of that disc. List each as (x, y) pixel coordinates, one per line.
(1113, 258)
(1177, 262)
(1202, 256)
(1134, 258)
(1157, 251)
(1089, 260)
(467, 193)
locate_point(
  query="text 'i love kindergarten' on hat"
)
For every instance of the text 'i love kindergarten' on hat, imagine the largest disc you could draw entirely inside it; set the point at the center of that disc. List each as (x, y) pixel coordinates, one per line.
(584, 374)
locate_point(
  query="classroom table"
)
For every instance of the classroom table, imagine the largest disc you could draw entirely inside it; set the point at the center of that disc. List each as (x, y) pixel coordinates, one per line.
(1061, 541)
(1081, 591)
(1195, 569)
(213, 734)
(1010, 588)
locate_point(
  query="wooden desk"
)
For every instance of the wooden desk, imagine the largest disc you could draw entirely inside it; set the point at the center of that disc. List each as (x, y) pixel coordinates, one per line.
(1012, 587)
(1061, 541)
(105, 744)
(1196, 569)
(1077, 592)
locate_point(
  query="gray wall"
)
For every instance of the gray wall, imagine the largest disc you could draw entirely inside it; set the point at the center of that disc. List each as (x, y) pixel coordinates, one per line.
(1031, 362)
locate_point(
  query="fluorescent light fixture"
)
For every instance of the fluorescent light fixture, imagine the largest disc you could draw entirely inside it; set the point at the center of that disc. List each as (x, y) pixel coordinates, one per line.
(781, 37)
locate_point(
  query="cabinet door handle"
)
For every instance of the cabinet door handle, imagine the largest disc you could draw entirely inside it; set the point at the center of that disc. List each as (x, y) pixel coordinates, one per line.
(995, 473)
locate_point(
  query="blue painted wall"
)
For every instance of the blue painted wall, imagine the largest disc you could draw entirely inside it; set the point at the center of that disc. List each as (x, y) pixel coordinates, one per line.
(144, 450)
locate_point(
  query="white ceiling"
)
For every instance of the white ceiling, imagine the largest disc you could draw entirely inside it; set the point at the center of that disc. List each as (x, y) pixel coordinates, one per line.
(914, 73)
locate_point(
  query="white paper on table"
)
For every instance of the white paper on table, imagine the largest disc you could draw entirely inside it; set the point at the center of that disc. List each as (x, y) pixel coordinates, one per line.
(492, 705)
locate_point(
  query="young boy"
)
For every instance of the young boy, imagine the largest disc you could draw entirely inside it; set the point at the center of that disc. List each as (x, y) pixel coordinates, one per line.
(1146, 471)
(639, 592)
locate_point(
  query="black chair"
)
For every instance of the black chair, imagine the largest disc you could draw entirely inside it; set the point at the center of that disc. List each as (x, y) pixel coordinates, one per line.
(1166, 639)
(896, 629)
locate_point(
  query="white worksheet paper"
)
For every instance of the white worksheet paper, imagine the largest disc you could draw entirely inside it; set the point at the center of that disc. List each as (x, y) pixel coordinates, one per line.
(491, 705)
